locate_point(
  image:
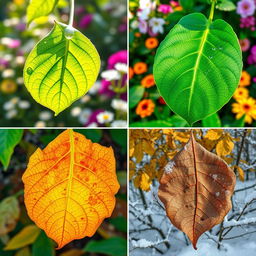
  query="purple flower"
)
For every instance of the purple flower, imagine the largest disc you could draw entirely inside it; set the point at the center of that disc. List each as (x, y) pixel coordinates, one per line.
(245, 8)
(118, 57)
(253, 50)
(143, 26)
(105, 88)
(85, 21)
(93, 117)
(165, 8)
(3, 63)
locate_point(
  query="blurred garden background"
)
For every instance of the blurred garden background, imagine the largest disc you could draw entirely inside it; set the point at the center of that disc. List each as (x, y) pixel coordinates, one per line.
(109, 239)
(104, 22)
(150, 21)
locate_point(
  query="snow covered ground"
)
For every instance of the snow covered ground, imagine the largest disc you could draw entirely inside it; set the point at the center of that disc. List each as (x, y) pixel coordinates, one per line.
(146, 226)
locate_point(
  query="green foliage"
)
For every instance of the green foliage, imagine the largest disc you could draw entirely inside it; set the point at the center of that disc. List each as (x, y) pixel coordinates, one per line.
(204, 59)
(135, 95)
(119, 136)
(8, 140)
(61, 68)
(226, 5)
(43, 246)
(39, 8)
(120, 223)
(94, 135)
(114, 246)
(212, 121)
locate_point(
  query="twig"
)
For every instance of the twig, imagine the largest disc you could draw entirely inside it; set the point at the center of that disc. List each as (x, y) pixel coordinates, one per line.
(244, 234)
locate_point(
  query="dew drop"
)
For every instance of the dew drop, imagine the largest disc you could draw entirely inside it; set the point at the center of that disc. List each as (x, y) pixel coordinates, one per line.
(210, 57)
(220, 48)
(30, 71)
(69, 32)
(214, 49)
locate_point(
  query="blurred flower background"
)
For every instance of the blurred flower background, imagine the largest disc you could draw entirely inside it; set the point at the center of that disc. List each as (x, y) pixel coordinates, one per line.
(104, 23)
(150, 21)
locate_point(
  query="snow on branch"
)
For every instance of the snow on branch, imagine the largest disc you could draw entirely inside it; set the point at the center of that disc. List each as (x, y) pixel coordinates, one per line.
(235, 223)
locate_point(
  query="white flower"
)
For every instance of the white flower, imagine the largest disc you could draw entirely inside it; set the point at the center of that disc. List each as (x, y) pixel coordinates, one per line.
(95, 88)
(119, 123)
(8, 105)
(23, 104)
(20, 60)
(111, 75)
(156, 25)
(85, 115)
(8, 73)
(6, 40)
(146, 4)
(11, 114)
(15, 100)
(8, 57)
(105, 117)
(134, 24)
(20, 80)
(76, 111)
(121, 67)
(92, 125)
(143, 14)
(45, 115)
(119, 105)
(85, 99)
(40, 124)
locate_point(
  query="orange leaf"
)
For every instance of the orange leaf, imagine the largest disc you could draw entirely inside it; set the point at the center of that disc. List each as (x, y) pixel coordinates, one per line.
(70, 187)
(196, 189)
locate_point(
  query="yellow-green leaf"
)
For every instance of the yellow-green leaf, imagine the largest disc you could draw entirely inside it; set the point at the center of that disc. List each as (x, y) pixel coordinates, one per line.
(61, 68)
(25, 237)
(39, 8)
(9, 214)
(23, 252)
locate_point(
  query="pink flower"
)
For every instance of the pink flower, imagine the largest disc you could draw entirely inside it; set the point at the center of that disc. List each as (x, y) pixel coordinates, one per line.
(85, 21)
(118, 57)
(245, 44)
(165, 8)
(14, 43)
(245, 8)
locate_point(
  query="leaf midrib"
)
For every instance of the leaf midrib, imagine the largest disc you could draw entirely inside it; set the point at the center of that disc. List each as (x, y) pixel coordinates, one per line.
(70, 179)
(196, 68)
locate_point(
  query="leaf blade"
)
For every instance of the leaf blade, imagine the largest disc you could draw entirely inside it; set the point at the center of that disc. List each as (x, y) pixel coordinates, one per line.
(201, 175)
(198, 66)
(39, 8)
(72, 181)
(9, 138)
(61, 68)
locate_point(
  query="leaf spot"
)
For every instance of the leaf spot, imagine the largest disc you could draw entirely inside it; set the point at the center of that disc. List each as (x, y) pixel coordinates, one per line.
(30, 71)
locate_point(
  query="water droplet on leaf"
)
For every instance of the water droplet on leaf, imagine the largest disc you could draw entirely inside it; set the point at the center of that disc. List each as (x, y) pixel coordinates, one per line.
(69, 32)
(29, 71)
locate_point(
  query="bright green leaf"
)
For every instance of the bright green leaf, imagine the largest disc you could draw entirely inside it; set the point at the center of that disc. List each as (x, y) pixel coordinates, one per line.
(212, 121)
(25, 237)
(115, 246)
(226, 5)
(9, 138)
(61, 68)
(198, 66)
(135, 95)
(39, 8)
(157, 123)
(43, 246)
(9, 214)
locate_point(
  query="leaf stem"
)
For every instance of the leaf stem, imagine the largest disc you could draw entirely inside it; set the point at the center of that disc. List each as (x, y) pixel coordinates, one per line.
(72, 10)
(212, 10)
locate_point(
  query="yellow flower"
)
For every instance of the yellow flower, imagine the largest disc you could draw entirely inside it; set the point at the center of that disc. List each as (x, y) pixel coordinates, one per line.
(245, 79)
(19, 2)
(245, 107)
(8, 86)
(241, 93)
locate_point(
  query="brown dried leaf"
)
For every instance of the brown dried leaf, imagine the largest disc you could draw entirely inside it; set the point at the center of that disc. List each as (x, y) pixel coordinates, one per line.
(196, 190)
